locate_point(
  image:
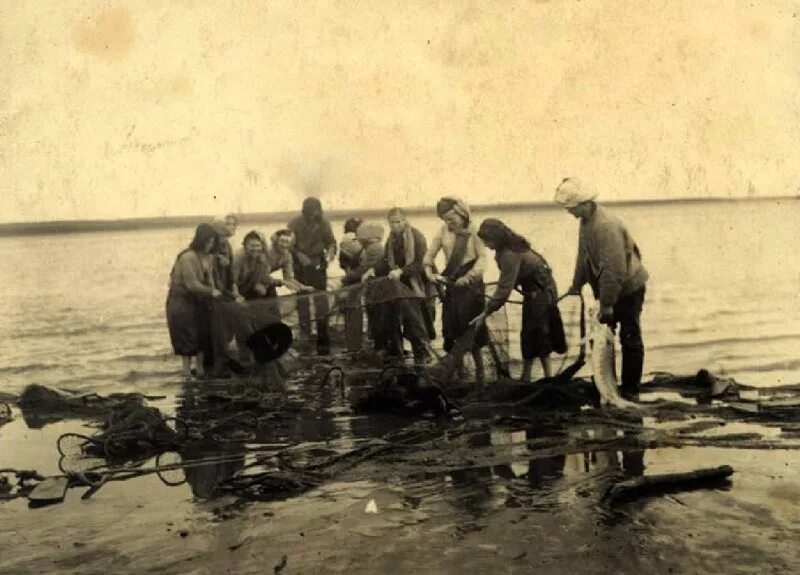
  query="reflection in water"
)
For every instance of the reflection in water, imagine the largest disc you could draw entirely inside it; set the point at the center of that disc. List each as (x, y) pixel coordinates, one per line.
(477, 489)
(204, 478)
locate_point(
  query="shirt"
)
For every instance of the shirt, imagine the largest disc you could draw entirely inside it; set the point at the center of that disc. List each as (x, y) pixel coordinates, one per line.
(444, 240)
(518, 268)
(278, 260)
(192, 273)
(312, 238)
(608, 258)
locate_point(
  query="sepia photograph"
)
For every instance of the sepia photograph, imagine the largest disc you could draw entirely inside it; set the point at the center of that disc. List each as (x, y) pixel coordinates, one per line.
(424, 287)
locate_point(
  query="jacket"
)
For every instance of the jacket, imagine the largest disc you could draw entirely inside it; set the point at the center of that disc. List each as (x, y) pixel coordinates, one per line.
(608, 259)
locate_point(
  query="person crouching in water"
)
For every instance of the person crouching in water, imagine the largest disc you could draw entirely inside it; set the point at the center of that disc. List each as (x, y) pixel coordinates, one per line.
(610, 261)
(191, 290)
(405, 253)
(524, 269)
(463, 297)
(349, 259)
(372, 262)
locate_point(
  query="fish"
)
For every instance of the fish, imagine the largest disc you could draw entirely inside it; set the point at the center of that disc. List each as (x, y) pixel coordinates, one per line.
(603, 362)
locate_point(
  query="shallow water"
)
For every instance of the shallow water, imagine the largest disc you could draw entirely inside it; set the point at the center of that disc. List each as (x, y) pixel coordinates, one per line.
(85, 312)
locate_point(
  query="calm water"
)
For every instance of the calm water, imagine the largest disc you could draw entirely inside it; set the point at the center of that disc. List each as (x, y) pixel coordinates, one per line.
(86, 311)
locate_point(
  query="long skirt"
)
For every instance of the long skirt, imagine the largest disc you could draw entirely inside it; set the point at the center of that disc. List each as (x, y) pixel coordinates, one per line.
(188, 321)
(461, 305)
(535, 334)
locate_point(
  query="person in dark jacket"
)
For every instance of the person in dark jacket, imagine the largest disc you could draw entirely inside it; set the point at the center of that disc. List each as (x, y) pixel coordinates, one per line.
(523, 269)
(610, 262)
(313, 250)
(405, 252)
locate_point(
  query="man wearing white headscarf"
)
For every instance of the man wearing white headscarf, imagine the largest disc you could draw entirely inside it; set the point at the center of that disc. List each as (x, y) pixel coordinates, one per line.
(610, 262)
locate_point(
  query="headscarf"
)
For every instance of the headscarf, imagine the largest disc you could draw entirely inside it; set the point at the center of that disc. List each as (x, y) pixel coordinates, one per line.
(572, 192)
(451, 203)
(349, 245)
(502, 236)
(254, 235)
(370, 232)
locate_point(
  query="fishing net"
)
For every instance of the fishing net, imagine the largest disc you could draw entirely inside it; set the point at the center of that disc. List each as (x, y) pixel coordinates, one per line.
(350, 315)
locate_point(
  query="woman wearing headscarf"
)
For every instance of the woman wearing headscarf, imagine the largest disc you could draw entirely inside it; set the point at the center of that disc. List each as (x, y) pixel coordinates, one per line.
(523, 269)
(350, 248)
(463, 297)
(191, 290)
(250, 267)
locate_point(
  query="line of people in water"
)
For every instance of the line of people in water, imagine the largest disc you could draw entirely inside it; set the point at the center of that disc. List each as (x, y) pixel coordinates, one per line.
(608, 260)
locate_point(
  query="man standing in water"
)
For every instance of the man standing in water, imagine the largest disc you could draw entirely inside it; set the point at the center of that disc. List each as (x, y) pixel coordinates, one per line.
(609, 260)
(313, 250)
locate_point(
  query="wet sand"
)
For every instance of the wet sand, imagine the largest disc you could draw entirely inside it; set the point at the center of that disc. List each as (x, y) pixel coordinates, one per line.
(498, 491)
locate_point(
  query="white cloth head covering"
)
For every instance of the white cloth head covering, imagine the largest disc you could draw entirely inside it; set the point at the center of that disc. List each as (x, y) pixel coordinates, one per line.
(572, 192)
(349, 244)
(370, 231)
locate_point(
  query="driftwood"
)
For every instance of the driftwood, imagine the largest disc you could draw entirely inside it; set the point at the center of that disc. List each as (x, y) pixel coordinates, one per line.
(668, 482)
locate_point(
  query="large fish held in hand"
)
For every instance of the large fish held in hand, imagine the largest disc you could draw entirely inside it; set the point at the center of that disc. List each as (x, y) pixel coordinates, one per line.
(603, 361)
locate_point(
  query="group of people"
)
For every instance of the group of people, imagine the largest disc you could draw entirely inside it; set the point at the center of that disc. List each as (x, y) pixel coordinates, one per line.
(406, 265)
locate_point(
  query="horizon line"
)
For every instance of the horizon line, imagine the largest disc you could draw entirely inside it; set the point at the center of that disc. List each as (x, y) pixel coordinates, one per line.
(156, 222)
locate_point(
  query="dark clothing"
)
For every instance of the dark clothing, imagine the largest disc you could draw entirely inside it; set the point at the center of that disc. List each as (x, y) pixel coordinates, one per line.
(627, 312)
(353, 310)
(608, 258)
(398, 253)
(527, 270)
(348, 261)
(223, 265)
(529, 273)
(188, 302)
(312, 238)
(460, 306)
(188, 324)
(318, 279)
(406, 251)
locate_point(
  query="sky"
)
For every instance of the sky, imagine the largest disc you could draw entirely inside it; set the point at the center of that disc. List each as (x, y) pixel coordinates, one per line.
(149, 108)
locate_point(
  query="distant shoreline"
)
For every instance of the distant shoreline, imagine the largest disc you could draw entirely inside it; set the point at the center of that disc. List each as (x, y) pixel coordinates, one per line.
(84, 226)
